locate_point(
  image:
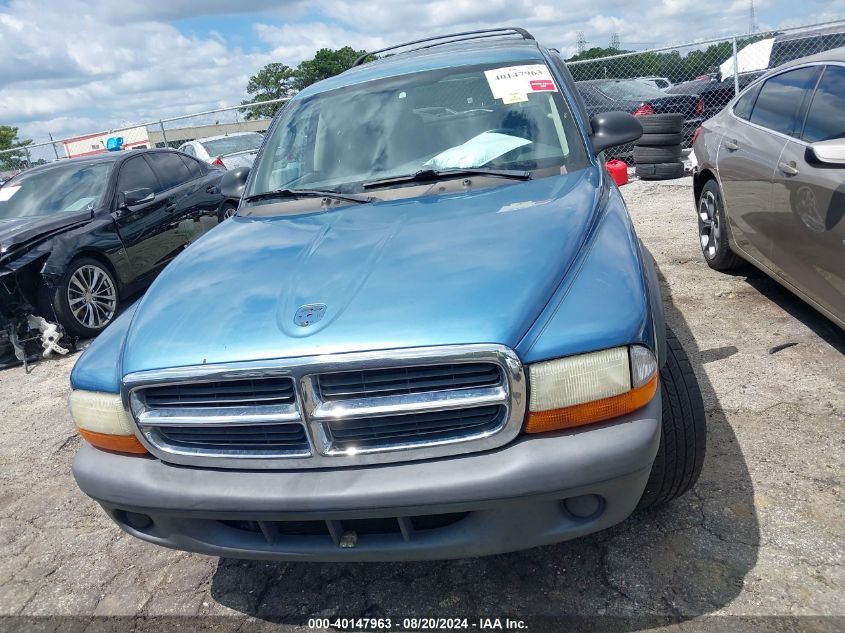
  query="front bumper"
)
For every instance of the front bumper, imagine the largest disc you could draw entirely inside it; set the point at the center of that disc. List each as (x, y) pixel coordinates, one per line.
(464, 506)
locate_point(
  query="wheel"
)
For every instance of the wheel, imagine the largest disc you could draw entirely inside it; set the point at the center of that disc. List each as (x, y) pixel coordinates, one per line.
(661, 123)
(713, 229)
(226, 211)
(683, 439)
(660, 171)
(648, 155)
(86, 298)
(661, 139)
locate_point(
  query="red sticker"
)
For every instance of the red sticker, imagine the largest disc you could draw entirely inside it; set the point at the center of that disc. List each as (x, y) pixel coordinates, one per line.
(543, 85)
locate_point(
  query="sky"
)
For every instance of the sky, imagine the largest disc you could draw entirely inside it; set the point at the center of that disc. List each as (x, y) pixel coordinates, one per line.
(70, 66)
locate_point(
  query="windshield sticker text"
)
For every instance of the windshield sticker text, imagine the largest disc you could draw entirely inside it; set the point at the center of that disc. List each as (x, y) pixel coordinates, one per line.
(512, 83)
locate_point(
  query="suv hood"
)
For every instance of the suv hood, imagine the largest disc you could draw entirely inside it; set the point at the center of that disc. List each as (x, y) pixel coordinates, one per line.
(474, 267)
(16, 232)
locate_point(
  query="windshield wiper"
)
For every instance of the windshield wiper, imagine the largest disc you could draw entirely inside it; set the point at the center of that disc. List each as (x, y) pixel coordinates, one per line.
(430, 175)
(310, 193)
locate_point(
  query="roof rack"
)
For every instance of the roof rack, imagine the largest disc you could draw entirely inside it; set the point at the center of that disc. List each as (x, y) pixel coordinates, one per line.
(451, 38)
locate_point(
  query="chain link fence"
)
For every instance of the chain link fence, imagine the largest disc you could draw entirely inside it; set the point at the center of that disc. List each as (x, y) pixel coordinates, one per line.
(696, 79)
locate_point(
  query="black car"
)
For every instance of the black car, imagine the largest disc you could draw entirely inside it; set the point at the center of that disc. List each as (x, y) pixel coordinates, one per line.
(640, 99)
(80, 236)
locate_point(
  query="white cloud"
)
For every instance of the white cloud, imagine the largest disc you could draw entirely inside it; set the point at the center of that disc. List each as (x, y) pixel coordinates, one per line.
(68, 66)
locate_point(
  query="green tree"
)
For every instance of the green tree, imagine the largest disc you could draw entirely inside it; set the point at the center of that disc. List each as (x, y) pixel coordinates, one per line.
(277, 80)
(274, 81)
(326, 63)
(9, 140)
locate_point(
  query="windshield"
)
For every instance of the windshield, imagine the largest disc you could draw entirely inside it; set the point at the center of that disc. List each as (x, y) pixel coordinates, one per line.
(456, 118)
(232, 144)
(630, 90)
(62, 189)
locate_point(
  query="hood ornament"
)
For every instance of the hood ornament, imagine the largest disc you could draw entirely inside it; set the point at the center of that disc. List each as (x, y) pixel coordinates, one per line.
(309, 314)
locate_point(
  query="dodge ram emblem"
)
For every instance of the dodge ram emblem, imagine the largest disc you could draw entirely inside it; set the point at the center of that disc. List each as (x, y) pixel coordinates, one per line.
(309, 314)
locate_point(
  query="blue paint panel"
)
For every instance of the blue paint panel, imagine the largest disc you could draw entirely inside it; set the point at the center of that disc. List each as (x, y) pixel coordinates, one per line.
(603, 303)
(98, 368)
(439, 269)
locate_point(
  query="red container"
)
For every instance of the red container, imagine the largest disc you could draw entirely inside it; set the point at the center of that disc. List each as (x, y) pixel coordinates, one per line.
(618, 171)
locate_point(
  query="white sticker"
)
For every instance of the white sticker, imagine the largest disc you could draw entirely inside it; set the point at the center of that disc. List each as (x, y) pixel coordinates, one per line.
(512, 82)
(7, 192)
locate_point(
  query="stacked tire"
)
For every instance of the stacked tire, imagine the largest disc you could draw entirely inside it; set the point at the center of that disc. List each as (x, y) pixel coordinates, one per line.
(657, 153)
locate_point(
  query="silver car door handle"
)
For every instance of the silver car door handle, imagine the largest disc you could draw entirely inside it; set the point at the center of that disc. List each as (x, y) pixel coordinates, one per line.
(732, 145)
(788, 168)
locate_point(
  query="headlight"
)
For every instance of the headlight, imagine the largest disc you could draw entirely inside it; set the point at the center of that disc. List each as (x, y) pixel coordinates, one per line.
(588, 388)
(103, 422)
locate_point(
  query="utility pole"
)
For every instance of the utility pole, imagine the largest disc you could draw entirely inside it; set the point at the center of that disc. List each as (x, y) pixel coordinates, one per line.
(752, 17)
(614, 41)
(581, 43)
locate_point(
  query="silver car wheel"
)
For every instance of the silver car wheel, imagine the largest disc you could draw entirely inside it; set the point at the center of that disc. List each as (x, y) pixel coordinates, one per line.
(91, 296)
(709, 229)
(228, 212)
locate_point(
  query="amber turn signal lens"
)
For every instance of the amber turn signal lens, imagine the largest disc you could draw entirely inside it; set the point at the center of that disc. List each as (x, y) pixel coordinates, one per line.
(590, 412)
(117, 443)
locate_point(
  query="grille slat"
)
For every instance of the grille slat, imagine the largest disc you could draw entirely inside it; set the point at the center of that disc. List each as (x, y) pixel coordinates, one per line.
(264, 437)
(407, 380)
(245, 392)
(441, 425)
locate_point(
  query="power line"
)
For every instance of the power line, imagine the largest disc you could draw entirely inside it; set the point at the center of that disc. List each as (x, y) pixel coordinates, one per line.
(581, 43)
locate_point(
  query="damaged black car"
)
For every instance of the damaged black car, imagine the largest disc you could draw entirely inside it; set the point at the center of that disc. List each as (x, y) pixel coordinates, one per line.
(80, 237)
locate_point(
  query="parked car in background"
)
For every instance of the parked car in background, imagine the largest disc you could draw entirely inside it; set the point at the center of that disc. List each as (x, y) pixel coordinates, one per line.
(80, 236)
(229, 151)
(717, 89)
(769, 182)
(640, 99)
(406, 355)
(661, 83)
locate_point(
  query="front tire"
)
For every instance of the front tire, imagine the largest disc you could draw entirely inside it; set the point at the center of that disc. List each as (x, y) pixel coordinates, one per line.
(86, 298)
(683, 440)
(226, 211)
(713, 229)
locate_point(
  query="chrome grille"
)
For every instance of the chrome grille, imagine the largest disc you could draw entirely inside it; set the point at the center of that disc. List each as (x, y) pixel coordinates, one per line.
(331, 411)
(436, 425)
(233, 393)
(407, 380)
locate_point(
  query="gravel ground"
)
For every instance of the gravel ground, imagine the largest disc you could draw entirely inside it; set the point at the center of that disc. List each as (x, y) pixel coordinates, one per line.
(762, 534)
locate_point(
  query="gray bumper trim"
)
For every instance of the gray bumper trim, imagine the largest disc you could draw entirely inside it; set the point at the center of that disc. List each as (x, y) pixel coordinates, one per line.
(512, 495)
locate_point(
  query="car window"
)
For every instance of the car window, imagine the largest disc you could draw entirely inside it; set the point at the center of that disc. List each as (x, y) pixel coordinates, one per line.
(170, 168)
(233, 144)
(825, 118)
(65, 188)
(135, 174)
(744, 105)
(188, 149)
(781, 99)
(629, 90)
(194, 166)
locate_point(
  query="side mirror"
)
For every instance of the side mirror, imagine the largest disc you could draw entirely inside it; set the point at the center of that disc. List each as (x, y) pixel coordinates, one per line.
(614, 128)
(830, 152)
(133, 197)
(233, 181)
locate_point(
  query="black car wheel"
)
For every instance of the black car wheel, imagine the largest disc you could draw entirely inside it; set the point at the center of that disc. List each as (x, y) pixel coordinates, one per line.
(683, 439)
(660, 139)
(713, 229)
(226, 211)
(660, 171)
(86, 299)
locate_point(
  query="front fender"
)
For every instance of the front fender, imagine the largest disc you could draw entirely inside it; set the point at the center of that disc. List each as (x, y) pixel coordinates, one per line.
(99, 368)
(604, 301)
(99, 236)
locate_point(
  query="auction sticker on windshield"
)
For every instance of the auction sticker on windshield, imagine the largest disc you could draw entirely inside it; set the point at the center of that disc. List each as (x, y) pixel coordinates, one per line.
(512, 84)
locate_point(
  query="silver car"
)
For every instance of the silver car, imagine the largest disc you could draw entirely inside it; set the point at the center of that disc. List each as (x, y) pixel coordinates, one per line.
(229, 151)
(770, 181)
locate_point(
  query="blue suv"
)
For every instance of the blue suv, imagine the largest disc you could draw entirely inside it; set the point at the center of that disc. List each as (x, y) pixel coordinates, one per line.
(436, 334)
